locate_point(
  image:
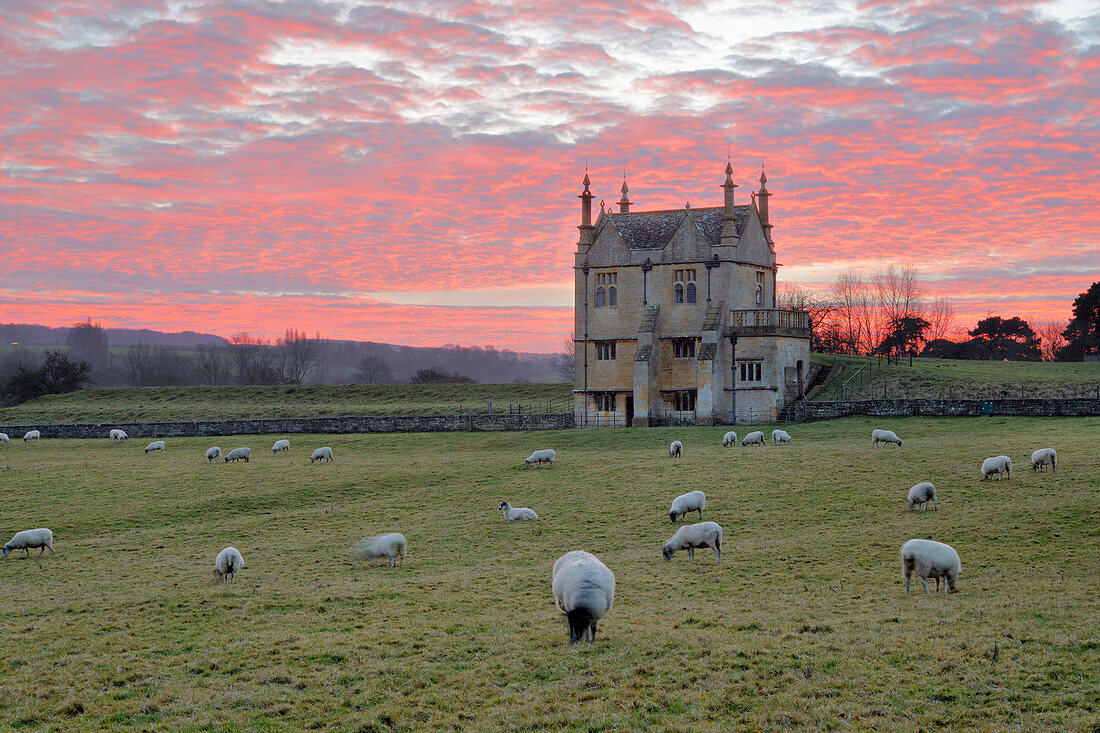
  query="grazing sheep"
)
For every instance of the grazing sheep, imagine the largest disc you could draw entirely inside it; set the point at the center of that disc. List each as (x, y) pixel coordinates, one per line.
(690, 502)
(929, 559)
(884, 436)
(729, 439)
(756, 437)
(321, 454)
(281, 446)
(1000, 465)
(1044, 457)
(691, 536)
(584, 588)
(28, 539)
(155, 445)
(392, 545)
(228, 563)
(518, 514)
(213, 454)
(921, 494)
(32, 435)
(238, 454)
(546, 455)
(675, 449)
(119, 435)
(781, 436)
(4, 438)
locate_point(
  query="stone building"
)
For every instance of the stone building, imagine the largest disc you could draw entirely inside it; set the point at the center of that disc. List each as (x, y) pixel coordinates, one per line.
(675, 316)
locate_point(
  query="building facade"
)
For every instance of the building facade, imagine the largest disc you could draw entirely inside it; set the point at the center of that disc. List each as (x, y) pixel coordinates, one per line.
(675, 316)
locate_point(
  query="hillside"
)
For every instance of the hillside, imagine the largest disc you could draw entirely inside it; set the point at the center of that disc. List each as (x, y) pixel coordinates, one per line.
(957, 379)
(159, 404)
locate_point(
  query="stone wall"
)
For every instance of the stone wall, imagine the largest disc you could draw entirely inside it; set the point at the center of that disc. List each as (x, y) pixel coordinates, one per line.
(410, 424)
(1074, 407)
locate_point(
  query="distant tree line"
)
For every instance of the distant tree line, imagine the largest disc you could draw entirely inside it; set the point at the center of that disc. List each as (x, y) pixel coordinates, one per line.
(889, 313)
(294, 358)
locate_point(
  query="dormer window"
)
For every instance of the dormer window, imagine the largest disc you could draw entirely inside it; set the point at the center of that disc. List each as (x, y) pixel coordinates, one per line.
(683, 288)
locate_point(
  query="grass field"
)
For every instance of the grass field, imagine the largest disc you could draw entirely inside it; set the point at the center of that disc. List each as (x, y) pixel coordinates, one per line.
(160, 404)
(958, 379)
(804, 625)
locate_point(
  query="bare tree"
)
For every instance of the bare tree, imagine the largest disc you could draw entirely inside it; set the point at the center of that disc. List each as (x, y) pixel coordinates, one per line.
(156, 366)
(87, 341)
(899, 296)
(1051, 338)
(818, 306)
(854, 311)
(211, 364)
(565, 360)
(940, 315)
(254, 359)
(300, 354)
(373, 370)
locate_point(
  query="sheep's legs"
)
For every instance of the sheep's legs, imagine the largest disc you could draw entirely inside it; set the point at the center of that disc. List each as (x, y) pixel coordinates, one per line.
(700, 514)
(691, 554)
(906, 586)
(718, 552)
(925, 584)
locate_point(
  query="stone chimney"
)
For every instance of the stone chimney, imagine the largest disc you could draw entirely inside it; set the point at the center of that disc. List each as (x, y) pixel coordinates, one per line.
(729, 218)
(762, 206)
(586, 227)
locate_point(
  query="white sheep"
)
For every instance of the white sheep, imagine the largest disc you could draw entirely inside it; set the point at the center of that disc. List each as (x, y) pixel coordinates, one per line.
(1000, 465)
(929, 559)
(584, 589)
(32, 435)
(690, 502)
(238, 454)
(884, 436)
(518, 514)
(781, 436)
(546, 455)
(756, 437)
(321, 454)
(119, 435)
(213, 454)
(29, 538)
(281, 446)
(1044, 457)
(228, 563)
(4, 438)
(391, 545)
(921, 494)
(155, 445)
(675, 449)
(729, 439)
(692, 536)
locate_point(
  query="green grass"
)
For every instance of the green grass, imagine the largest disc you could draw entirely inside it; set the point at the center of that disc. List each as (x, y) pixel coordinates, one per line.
(959, 379)
(122, 404)
(804, 625)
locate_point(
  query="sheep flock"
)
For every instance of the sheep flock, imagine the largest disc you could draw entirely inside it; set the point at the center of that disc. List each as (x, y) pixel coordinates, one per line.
(582, 585)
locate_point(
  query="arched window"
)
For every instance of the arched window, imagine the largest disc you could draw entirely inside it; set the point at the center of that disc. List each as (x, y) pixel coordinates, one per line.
(678, 293)
(601, 297)
(612, 295)
(691, 292)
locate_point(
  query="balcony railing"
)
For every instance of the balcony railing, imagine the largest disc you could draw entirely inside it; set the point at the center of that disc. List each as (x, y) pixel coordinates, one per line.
(769, 318)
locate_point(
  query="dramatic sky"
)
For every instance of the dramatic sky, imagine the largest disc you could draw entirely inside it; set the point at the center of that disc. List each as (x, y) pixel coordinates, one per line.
(407, 172)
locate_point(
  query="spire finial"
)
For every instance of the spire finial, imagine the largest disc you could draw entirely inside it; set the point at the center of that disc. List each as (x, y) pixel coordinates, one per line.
(624, 202)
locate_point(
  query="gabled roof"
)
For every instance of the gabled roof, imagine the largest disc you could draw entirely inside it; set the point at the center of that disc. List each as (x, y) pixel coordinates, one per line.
(653, 229)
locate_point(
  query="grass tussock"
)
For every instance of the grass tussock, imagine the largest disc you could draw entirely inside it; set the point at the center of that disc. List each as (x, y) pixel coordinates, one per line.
(804, 625)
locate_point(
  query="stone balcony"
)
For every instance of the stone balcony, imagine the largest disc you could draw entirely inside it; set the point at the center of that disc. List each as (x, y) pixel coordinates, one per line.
(768, 322)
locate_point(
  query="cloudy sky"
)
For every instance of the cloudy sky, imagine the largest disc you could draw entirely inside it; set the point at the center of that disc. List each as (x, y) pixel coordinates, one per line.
(408, 171)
